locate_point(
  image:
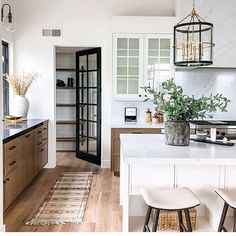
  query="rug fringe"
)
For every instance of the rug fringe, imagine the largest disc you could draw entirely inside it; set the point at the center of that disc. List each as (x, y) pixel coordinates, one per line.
(37, 222)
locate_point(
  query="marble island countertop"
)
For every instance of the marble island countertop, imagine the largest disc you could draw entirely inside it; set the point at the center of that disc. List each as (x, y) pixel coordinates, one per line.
(11, 130)
(152, 148)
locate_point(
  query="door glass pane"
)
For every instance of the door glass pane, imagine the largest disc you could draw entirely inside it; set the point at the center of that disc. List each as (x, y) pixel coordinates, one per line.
(83, 79)
(83, 144)
(92, 113)
(121, 61)
(133, 86)
(83, 128)
(83, 62)
(165, 60)
(121, 70)
(122, 43)
(92, 148)
(92, 96)
(165, 53)
(133, 71)
(92, 62)
(134, 52)
(122, 53)
(134, 62)
(82, 95)
(153, 44)
(122, 86)
(165, 43)
(92, 79)
(134, 43)
(92, 129)
(83, 112)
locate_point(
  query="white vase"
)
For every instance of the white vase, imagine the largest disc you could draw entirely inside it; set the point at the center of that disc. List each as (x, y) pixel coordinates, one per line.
(21, 106)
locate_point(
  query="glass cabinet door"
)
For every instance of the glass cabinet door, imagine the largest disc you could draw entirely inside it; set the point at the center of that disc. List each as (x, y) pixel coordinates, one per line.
(127, 66)
(158, 59)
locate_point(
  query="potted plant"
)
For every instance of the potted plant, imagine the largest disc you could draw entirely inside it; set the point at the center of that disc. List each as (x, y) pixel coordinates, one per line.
(20, 85)
(180, 108)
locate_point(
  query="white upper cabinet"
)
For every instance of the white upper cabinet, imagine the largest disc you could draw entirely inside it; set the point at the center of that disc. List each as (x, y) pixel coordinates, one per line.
(127, 66)
(140, 60)
(158, 59)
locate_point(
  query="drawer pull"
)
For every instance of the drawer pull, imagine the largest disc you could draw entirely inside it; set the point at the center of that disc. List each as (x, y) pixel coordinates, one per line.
(12, 163)
(42, 150)
(137, 132)
(45, 128)
(39, 132)
(45, 139)
(27, 136)
(4, 181)
(12, 147)
(7, 179)
(39, 143)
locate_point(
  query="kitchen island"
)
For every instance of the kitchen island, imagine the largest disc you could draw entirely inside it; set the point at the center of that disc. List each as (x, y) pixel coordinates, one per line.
(147, 161)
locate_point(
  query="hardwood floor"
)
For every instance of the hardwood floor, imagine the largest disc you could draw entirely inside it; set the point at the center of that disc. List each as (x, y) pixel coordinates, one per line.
(103, 213)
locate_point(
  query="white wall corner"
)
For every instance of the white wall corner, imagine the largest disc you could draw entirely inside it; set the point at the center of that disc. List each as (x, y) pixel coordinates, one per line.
(106, 164)
(2, 228)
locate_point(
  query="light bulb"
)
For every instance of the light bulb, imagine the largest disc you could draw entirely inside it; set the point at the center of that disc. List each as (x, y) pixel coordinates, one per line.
(11, 28)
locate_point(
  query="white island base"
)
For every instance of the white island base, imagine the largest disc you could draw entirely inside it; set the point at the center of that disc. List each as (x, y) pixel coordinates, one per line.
(147, 161)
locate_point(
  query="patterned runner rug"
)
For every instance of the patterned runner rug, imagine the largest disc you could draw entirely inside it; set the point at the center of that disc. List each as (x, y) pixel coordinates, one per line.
(66, 201)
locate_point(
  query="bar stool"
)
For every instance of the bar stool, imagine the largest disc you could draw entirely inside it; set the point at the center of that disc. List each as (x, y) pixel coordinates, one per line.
(179, 199)
(229, 198)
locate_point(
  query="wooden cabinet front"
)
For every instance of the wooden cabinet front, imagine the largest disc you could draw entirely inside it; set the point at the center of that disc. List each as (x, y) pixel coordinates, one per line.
(115, 143)
(24, 157)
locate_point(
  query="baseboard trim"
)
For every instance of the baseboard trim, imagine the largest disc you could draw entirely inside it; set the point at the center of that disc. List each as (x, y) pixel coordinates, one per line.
(106, 164)
(2, 228)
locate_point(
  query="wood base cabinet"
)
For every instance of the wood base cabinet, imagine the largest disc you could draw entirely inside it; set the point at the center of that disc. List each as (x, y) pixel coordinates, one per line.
(24, 157)
(115, 143)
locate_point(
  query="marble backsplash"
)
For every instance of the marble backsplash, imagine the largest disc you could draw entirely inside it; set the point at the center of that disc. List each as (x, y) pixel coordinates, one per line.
(195, 81)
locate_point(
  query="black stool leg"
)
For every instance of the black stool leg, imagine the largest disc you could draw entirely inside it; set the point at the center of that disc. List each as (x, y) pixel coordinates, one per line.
(234, 229)
(222, 219)
(145, 227)
(155, 220)
(187, 215)
(180, 220)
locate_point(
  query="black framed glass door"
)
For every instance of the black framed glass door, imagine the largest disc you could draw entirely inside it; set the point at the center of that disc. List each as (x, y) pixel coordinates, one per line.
(88, 105)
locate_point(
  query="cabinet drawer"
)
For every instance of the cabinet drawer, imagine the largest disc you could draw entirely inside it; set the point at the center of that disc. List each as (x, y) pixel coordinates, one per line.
(10, 188)
(10, 148)
(9, 164)
(39, 132)
(44, 151)
(116, 132)
(45, 127)
(44, 141)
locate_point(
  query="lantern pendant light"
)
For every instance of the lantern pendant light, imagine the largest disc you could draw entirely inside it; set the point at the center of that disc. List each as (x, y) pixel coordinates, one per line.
(193, 41)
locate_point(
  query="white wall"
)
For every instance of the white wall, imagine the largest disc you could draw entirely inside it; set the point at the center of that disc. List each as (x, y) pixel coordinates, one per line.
(84, 24)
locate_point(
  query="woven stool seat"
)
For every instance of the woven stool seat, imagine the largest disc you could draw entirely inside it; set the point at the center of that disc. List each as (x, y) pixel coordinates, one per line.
(170, 199)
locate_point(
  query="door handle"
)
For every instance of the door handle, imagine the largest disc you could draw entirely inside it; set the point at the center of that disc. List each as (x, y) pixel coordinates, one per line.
(12, 147)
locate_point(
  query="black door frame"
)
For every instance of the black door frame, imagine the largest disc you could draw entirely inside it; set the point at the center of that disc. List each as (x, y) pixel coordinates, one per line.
(79, 154)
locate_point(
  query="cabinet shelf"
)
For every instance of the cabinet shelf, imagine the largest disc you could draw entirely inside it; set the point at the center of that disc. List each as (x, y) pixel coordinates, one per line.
(65, 69)
(66, 150)
(65, 105)
(66, 122)
(66, 139)
(72, 88)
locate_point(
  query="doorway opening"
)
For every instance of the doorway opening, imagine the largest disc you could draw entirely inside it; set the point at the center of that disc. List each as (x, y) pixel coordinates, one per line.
(78, 102)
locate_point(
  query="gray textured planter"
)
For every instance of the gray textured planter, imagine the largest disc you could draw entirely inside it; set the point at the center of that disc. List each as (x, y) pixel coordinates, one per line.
(177, 133)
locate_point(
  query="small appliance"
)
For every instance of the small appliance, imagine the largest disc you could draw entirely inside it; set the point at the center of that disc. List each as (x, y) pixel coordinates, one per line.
(130, 114)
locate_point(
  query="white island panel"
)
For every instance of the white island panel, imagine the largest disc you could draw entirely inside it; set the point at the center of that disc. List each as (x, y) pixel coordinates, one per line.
(146, 161)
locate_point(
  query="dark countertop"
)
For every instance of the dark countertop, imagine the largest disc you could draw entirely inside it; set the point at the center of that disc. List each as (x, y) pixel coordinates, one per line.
(12, 131)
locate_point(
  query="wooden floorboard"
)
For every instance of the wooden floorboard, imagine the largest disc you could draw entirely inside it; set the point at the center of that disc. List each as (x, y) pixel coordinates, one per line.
(103, 213)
